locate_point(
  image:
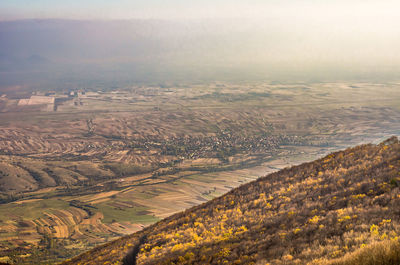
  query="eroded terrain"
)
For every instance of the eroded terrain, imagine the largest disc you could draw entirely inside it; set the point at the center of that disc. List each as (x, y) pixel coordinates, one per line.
(81, 167)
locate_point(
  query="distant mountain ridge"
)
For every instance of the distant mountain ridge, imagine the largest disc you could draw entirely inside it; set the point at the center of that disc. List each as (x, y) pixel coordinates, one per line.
(149, 51)
(341, 209)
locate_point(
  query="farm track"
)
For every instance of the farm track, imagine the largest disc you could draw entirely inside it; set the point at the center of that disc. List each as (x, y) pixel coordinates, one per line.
(120, 160)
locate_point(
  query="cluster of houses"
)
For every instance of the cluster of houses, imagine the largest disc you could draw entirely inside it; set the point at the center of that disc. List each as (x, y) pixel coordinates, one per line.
(223, 144)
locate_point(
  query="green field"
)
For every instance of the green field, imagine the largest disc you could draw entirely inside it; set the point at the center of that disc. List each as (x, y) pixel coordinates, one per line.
(108, 163)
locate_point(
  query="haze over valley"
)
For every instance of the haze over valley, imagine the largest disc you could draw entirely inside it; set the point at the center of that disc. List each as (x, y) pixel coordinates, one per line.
(114, 117)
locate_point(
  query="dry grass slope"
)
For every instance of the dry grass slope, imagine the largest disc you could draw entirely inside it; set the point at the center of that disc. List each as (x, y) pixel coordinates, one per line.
(341, 209)
(383, 253)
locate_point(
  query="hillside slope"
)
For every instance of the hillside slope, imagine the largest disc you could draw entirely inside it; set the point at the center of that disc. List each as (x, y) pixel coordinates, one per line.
(315, 212)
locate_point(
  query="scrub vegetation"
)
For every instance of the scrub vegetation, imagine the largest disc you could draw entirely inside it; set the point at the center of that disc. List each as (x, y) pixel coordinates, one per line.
(340, 209)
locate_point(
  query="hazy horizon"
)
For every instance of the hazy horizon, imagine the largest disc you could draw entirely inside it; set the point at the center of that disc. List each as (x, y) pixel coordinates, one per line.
(105, 42)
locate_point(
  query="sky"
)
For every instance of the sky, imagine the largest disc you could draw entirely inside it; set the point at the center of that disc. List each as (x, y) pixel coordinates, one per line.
(194, 9)
(306, 38)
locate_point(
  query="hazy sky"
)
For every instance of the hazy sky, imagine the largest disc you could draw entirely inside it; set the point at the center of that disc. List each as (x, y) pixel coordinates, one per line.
(172, 9)
(307, 38)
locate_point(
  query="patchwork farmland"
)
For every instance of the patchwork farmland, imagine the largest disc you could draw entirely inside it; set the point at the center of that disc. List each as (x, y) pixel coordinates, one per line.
(107, 163)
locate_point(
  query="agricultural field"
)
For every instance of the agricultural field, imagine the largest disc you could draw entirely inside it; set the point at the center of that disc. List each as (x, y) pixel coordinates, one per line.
(82, 167)
(340, 209)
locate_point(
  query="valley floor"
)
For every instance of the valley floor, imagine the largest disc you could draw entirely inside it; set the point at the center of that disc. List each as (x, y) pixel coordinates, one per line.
(102, 164)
